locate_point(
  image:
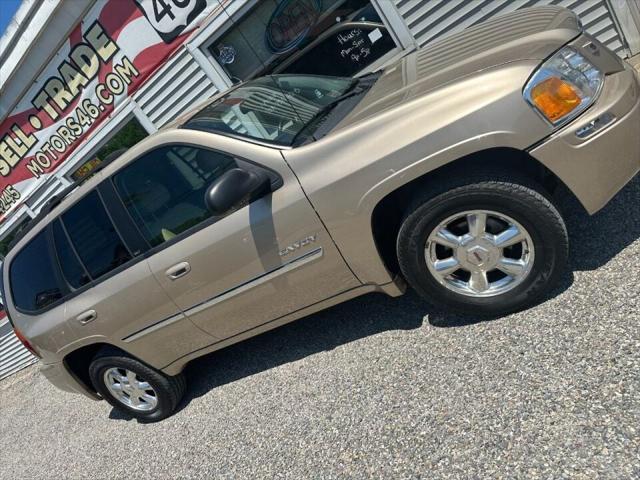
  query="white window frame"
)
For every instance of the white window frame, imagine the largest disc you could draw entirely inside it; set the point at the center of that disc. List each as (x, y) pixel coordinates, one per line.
(626, 14)
(20, 215)
(222, 23)
(61, 178)
(102, 135)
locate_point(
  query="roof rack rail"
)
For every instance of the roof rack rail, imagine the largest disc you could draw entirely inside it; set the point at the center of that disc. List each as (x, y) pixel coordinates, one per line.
(52, 203)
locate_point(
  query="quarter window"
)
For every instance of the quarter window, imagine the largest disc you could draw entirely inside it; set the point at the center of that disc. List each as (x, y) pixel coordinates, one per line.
(94, 236)
(33, 280)
(164, 190)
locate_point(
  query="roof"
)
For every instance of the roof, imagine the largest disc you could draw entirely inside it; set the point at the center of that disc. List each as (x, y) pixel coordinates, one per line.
(75, 192)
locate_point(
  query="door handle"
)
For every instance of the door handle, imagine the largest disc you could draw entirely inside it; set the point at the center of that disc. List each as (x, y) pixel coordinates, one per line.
(86, 317)
(179, 270)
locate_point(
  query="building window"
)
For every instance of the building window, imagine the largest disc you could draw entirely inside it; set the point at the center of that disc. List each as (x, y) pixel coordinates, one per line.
(331, 37)
(130, 134)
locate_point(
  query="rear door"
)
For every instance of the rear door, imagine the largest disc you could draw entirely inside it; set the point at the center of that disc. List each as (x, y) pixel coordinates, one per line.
(232, 272)
(112, 295)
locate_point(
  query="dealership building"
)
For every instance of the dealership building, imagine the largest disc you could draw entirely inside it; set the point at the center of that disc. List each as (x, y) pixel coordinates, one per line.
(81, 79)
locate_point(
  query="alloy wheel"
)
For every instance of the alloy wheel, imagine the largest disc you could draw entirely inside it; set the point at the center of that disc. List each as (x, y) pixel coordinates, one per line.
(479, 253)
(130, 389)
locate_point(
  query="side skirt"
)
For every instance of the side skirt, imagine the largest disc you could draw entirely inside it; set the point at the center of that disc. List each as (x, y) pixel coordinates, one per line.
(394, 289)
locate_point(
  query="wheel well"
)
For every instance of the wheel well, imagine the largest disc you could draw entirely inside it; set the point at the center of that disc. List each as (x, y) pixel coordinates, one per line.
(77, 362)
(389, 212)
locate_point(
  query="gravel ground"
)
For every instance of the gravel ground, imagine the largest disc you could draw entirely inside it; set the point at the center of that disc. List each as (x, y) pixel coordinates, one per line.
(382, 387)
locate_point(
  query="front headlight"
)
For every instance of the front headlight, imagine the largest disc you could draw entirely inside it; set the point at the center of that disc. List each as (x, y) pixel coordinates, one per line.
(564, 86)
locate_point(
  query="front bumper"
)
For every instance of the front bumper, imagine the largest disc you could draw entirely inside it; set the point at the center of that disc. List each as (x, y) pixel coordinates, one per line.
(598, 166)
(60, 377)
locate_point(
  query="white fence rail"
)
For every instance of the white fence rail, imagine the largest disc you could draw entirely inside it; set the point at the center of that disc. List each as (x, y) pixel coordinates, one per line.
(13, 356)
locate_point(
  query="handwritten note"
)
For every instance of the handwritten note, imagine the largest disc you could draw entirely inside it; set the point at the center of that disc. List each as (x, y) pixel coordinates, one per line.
(354, 45)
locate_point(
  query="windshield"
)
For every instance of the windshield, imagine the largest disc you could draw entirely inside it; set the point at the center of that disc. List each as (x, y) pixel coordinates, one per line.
(273, 109)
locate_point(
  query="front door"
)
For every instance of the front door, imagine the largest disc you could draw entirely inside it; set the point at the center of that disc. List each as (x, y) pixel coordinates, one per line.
(234, 271)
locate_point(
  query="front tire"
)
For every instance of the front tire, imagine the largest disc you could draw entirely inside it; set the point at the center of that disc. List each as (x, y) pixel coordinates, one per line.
(135, 388)
(487, 247)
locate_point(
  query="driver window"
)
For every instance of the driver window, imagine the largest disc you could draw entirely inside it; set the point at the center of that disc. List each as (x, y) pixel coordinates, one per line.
(164, 190)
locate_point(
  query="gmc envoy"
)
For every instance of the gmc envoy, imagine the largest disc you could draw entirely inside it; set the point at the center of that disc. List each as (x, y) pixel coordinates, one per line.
(291, 193)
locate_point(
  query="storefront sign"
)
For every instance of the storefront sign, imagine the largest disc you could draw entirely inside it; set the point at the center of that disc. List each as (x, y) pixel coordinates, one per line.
(170, 17)
(105, 59)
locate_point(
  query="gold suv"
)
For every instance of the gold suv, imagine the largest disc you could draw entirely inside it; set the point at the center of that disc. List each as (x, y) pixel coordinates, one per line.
(291, 193)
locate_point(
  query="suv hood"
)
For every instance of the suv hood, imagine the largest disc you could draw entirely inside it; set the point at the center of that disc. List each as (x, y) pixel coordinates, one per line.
(528, 34)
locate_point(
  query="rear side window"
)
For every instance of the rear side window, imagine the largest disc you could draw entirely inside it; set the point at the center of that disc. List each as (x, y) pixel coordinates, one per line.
(33, 281)
(72, 269)
(94, 236)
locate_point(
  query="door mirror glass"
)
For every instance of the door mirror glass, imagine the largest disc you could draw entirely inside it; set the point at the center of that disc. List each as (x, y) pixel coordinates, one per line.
(235, 189)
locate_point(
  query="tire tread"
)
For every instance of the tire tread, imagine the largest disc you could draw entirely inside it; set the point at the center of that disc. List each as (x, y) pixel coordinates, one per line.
(522, 190)
(174, 386)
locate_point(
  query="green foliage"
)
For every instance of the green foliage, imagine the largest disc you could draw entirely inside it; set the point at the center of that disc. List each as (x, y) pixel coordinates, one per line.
(126, 137)
(130, 134)
(4, 243)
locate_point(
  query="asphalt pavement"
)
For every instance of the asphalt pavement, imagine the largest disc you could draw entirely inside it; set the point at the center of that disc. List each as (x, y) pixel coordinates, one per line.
(385, 388)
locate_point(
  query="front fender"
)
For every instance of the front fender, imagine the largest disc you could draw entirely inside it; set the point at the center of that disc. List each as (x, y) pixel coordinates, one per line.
(346, 174)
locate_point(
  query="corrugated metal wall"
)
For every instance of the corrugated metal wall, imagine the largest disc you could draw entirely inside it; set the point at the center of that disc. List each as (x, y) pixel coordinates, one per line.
(177, 86)
(13, 356)
(429, 20)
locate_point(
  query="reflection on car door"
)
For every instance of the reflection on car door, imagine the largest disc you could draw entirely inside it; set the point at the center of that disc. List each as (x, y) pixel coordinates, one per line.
(233, 272)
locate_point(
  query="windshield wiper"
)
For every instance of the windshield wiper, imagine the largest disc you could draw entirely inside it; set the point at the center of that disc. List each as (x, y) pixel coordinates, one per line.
(324, 111)
(352, 92)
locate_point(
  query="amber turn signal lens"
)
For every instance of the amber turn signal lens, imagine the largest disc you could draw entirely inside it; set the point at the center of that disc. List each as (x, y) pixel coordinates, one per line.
(555, 98)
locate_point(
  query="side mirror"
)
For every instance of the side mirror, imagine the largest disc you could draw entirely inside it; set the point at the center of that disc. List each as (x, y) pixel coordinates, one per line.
(232, 187)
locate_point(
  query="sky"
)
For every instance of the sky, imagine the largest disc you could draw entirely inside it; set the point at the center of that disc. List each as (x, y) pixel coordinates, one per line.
(7, 10)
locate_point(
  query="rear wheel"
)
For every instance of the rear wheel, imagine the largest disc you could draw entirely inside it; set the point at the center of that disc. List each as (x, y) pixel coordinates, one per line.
(135, 388)
(489, 247)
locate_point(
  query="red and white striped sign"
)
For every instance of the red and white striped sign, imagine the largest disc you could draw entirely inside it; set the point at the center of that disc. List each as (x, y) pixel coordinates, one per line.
(107, 57)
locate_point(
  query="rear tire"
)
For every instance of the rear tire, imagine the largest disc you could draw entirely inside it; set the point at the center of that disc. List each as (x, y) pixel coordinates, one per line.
(123, 381)
(539, 259)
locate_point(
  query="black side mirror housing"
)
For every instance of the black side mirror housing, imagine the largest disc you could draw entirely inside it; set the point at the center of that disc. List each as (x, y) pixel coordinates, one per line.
(232, 187)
